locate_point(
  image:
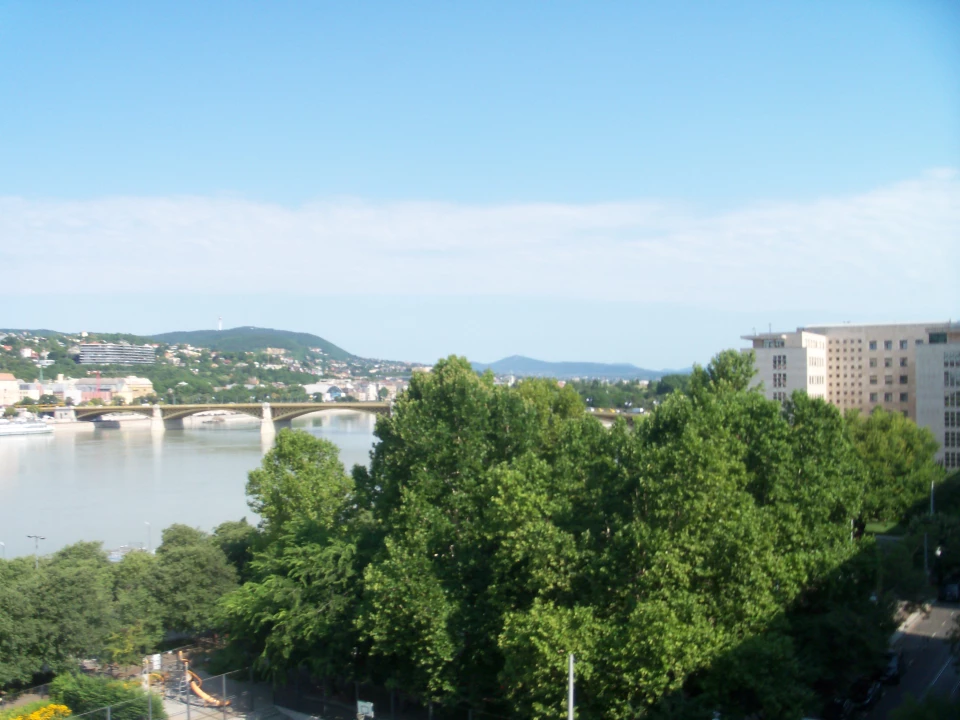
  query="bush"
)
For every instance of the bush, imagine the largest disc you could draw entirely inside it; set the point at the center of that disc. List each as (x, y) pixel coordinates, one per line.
(27, 710)
(83, 694)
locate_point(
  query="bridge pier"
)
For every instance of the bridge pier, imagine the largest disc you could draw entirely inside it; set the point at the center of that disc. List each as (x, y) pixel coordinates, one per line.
(267, 430)
(156, 420)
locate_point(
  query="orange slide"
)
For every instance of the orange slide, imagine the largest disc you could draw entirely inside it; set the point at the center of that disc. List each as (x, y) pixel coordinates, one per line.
(195, 683)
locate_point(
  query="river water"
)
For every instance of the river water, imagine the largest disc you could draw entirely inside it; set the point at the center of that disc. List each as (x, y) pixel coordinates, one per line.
(106, 485)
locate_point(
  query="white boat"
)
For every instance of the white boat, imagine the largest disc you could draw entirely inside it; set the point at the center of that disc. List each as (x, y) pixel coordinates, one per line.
(23, 427)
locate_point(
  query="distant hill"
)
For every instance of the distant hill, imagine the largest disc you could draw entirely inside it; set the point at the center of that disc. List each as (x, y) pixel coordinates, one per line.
(519, 365)
(248, 339)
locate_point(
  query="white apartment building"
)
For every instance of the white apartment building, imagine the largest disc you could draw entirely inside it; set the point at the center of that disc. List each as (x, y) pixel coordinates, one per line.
(789, 361)
(938, 390)
(116, 354)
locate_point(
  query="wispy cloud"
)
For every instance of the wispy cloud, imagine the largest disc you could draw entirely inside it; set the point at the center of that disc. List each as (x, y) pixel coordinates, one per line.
(896, 247)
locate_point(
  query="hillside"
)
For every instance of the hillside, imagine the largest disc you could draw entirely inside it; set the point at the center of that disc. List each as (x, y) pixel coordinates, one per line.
(248, 339)
(519, 365)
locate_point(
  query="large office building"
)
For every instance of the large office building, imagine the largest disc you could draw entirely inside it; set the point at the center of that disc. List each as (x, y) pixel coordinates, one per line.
(912, 369)
(938, 390)
(867, 366)
(116, 354)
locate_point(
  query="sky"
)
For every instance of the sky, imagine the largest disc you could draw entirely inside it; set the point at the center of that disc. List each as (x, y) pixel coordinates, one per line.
(618, 182)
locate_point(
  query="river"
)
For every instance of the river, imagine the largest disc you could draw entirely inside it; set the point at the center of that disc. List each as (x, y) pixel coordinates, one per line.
(107, 485)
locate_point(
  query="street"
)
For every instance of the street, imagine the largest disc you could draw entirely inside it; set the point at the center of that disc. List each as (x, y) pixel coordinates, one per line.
(928, 665)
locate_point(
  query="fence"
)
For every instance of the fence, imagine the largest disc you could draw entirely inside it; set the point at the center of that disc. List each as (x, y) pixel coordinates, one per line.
(338, 700)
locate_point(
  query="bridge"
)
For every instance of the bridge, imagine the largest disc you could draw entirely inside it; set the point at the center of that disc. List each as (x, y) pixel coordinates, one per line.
(266, 413)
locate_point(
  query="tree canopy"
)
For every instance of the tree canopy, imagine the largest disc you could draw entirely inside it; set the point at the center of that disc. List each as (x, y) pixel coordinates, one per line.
(703, 560)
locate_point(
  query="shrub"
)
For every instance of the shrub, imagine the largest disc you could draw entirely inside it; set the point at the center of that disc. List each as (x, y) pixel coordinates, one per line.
(82, 694)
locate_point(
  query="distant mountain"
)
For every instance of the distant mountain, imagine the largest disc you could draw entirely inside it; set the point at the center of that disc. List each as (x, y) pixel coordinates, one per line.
(519, 365)
(248, 339)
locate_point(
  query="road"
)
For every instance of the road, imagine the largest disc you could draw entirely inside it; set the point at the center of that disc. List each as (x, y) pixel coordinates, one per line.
(929, 667)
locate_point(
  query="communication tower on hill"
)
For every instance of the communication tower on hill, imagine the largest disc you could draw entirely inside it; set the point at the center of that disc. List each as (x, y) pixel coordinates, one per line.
(219, 324)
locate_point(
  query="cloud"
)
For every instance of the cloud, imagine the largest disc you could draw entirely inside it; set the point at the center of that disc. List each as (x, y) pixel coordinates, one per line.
(895, 247)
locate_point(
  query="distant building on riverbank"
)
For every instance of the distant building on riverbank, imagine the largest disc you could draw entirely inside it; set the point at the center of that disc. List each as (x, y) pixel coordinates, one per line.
(116, 354)
(9, 389)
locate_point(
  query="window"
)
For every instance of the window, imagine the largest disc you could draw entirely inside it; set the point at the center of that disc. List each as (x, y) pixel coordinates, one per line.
(873, 397)
(888, 344)
(873, 344)
(888, 397)
(888, 362)
(779, 362)
(903, 379)
(873, 379)
(903, 344)
(903, 397)
(918, 342)
(888, 379)
(873, 362)
(903, 362)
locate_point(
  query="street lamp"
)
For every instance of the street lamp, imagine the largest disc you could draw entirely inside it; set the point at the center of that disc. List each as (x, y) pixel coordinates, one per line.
(36, 549)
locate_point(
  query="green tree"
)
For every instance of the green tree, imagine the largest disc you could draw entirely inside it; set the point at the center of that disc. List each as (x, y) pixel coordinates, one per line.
(192, 575)
(237, 539)
(298, 607)
(899, 459)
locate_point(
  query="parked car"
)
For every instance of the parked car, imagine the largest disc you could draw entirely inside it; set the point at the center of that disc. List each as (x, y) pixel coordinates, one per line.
(891, 674)
(865, 693)
(949, 592)
(838, 709)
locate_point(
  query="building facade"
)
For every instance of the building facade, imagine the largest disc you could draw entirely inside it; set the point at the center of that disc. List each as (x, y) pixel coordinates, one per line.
(116, 354)
(789, 361)
(9, 389)
(871, 366)
(938, 390)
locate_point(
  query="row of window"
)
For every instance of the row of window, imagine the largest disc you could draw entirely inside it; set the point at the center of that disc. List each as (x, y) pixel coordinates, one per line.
(951, 378)
(952, 399)
(951, 460)
(816, 362)
(950, 419)
(816, 379)
(951, 359)
(888, 362)
(951, 439)
(780, 396)
(888, 344)
(888, 379)
(888, 397)
(779, 380)
(779, 362)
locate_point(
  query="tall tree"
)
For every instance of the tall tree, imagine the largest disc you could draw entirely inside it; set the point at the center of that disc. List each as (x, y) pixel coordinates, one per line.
(898, 456)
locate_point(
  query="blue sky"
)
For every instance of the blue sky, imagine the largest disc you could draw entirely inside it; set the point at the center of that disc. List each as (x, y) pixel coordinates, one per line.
(617, 182)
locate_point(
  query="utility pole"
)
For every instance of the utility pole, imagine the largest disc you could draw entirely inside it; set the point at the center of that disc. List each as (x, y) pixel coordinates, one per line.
(36, 550)
(570, 689)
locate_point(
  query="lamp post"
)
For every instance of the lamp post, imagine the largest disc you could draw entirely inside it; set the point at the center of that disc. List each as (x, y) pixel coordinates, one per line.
(36, 549)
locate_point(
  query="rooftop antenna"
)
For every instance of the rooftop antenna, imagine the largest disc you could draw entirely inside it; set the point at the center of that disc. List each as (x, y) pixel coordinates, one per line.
(220, 323)
(770, 327)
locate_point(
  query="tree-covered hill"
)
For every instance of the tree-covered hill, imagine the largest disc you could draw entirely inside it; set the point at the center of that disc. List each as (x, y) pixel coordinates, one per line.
(529, 367)
(250, 339)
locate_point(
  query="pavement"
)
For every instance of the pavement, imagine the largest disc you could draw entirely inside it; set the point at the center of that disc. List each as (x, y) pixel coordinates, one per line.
(929, 668)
